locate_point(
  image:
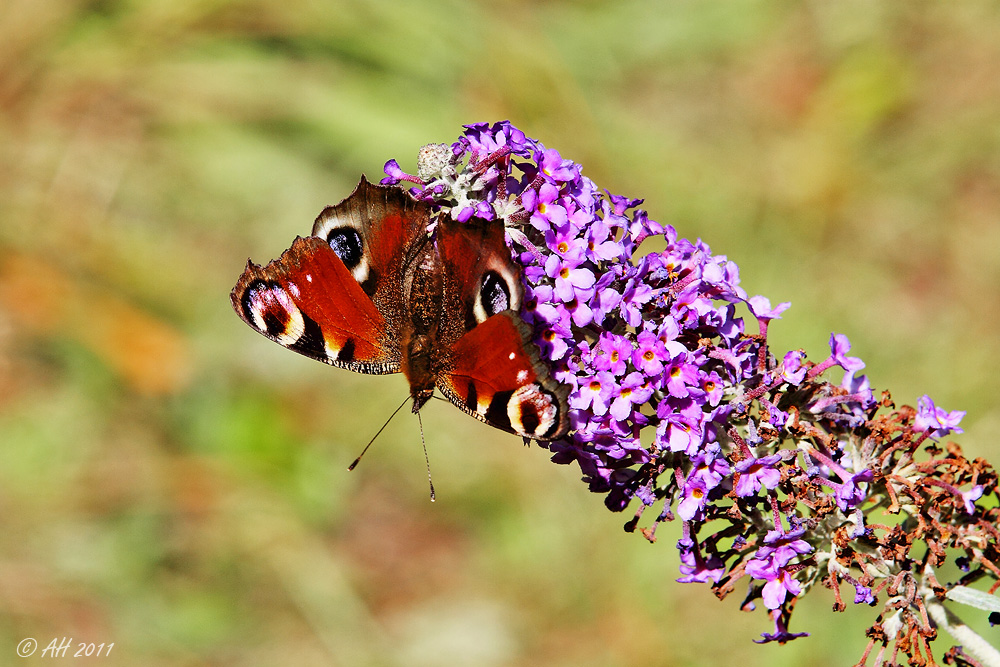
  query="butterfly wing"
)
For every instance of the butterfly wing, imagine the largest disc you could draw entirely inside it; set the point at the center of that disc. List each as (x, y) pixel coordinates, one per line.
(337, 296)
(497, 377)
(377, 232)
(494, 371)
(480, 278)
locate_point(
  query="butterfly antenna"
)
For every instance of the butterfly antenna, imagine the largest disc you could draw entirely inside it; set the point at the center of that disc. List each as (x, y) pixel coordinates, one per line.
(426, 459)
(358, 460)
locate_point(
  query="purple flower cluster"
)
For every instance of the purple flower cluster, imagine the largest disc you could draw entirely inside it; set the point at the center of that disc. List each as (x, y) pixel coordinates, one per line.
(624, 335)
(673, 402)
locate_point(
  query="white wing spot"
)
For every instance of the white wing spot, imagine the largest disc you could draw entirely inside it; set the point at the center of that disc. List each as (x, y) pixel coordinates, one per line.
(309, 277)
(522, 376)
(511, 357)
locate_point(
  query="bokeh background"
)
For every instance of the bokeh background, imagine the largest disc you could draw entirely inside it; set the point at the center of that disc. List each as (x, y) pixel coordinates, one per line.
(176, 484)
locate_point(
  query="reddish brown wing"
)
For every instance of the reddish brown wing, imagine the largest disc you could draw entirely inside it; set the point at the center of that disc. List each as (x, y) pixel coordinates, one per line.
(496, 376)
(480, 278)
(376, 232)
(338, 298)
(308, 301)
(495, 373)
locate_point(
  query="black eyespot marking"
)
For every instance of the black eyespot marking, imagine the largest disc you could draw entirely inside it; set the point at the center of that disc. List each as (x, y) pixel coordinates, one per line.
(346, 353)
(472, 398)
(495, 294)
(276, 322)
(260, 299)
(529, 417)
(496, 414)
(535, 412)
(311, 343)
(346, 242)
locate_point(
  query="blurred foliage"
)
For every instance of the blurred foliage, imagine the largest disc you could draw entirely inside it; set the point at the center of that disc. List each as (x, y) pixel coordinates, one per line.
(175, 484)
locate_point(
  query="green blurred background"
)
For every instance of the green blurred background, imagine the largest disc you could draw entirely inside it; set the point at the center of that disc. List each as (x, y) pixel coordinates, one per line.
(176, 484)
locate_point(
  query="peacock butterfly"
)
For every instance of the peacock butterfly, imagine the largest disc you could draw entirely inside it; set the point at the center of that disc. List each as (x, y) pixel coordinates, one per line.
(373, 292)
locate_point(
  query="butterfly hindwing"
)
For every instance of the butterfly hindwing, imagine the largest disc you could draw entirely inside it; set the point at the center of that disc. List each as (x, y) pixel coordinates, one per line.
(495, 372)
(480, 278)
(496, 376)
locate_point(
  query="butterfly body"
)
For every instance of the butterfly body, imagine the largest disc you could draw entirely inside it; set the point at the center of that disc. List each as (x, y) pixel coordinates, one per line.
(425, 334)
(373, 292)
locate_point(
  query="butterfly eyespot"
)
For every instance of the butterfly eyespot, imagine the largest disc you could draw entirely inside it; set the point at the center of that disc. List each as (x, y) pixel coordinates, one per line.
(493, 297)
(533, 412)
(272, 311)
(530, 410)
(346, 242)
(349, 247)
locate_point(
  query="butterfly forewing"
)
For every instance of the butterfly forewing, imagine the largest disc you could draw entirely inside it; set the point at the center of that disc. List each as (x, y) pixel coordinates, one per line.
(308, 301)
